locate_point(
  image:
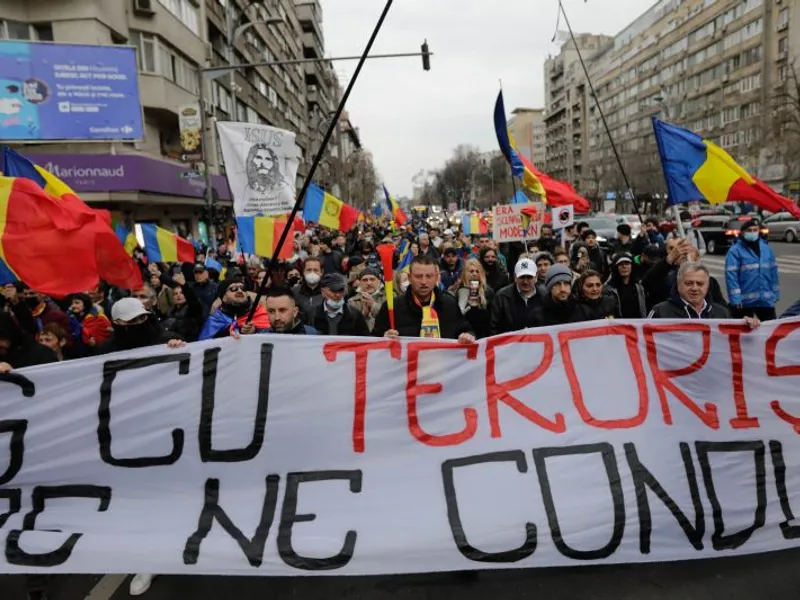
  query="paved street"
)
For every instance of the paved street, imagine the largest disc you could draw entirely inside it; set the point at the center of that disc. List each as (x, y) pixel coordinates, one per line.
(789, 267)
(764, 577)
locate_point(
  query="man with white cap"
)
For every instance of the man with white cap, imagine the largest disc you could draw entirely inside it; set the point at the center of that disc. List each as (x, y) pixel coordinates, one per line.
(516, 304)
(135, 327)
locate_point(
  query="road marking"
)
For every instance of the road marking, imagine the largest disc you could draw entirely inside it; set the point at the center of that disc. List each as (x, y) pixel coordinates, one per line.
(106, 587)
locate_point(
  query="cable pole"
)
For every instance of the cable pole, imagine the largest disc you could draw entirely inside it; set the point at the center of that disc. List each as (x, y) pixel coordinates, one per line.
(600, 110)
(273, 263)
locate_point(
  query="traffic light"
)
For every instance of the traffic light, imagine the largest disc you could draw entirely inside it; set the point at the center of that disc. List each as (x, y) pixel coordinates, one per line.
(426, 56)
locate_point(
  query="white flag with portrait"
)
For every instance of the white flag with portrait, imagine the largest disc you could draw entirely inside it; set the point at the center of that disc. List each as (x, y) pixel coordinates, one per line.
(261, 166)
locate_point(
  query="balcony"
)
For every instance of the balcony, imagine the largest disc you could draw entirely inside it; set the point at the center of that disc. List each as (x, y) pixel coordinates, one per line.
(312, 46)
(159, 93)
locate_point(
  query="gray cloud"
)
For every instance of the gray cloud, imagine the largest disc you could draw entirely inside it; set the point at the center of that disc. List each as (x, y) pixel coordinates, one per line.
(411, 119)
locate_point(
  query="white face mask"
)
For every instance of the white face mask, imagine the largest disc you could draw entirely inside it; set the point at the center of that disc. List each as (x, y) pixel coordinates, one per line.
(312, 278)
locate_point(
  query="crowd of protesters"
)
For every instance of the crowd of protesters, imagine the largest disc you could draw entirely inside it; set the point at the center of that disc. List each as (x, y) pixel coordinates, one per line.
(449, 286)
(456, 286)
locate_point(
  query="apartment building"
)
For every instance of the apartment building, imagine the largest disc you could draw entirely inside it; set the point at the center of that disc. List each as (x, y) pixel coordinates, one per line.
(566, 108)
(717, 67)
(146, 180)
(528, 130)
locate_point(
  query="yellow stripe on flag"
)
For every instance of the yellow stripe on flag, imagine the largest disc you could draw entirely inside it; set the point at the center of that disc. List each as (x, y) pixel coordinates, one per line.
(474, 224)
(167, 245)
(264, 234)
(6, 184)
(54, 186)
(331, 209)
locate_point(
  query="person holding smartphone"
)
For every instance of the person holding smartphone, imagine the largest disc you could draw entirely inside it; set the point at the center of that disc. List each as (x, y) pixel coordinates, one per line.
(475, 297)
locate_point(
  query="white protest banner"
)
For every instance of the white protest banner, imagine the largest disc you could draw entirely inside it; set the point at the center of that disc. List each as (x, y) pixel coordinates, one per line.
(596, 443)
(562, 216)
(507, 222)
(261, 167)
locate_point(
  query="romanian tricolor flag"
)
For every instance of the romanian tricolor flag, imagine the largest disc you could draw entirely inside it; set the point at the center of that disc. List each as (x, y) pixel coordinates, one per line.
(43, 242)
(127, 238)
(260, 235)
(398, 216)
(551, 191)
(326, 210)
(163, 246)
(474, 225)
(113, 263)
(696, 169)
(404, 256)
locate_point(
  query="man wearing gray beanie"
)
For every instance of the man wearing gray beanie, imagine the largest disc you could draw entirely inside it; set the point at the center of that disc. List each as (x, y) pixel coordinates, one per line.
(558, 305)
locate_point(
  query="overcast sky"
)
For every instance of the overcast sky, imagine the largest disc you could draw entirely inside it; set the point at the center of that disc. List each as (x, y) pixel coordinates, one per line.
(411, 119)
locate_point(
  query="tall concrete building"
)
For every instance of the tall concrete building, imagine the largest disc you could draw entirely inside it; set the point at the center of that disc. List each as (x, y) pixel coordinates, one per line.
(719, 68)
(567, 105)
(144, 179)
(527, 128)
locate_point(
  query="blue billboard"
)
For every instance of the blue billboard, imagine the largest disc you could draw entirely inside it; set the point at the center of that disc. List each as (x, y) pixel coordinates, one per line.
(68, 92)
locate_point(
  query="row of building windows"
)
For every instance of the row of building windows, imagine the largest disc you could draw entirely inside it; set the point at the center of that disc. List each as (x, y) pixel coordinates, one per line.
(186, 11)
(15, 30)
(155, 56)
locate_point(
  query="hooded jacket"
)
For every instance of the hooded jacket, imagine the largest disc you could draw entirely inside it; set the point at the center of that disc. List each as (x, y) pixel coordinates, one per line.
(752, 278)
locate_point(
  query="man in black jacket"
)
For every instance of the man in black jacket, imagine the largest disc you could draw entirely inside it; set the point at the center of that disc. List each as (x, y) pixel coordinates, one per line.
(335, 316)
(422, 311)
(689, 298)
(515, 305)
(135, 327)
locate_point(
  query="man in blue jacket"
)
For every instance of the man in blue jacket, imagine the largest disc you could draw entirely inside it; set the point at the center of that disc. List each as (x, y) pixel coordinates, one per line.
(751, 274)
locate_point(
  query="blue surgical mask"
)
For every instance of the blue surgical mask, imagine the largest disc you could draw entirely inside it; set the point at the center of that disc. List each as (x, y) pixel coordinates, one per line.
(334, 305)
(751, 236)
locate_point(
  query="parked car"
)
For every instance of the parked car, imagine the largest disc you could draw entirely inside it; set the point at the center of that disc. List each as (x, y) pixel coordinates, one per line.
(720, 232)
(604, 226)
(783, 227)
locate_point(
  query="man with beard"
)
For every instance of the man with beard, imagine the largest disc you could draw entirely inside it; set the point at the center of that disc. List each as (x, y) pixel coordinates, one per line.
(263, 172)
(558, 304)
(284, 314)
(135, 327)
(231, 316)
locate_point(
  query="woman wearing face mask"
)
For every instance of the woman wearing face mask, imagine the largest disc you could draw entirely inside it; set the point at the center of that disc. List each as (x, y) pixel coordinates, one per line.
(475, 297)
(293, 277)
(370, 295)
(593, 304)
(400, 283)
(496, 276)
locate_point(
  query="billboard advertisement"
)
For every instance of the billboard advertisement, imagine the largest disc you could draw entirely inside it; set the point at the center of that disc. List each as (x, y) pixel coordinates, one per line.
(68, 92)
(191, 128)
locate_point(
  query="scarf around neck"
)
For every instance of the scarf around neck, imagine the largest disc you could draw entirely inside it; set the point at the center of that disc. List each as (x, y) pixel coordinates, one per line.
(430, 318)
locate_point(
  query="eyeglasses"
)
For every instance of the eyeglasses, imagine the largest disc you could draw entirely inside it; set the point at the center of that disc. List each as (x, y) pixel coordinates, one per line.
(236, 288)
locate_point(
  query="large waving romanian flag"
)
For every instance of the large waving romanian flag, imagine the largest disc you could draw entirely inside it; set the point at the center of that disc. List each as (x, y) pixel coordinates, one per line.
(43, 242)
(696, 169)
(327, 210)
(114, 264)
(551, 191)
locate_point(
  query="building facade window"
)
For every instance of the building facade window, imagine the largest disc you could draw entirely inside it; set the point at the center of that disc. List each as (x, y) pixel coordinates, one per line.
(156, 57)
(186, 12)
